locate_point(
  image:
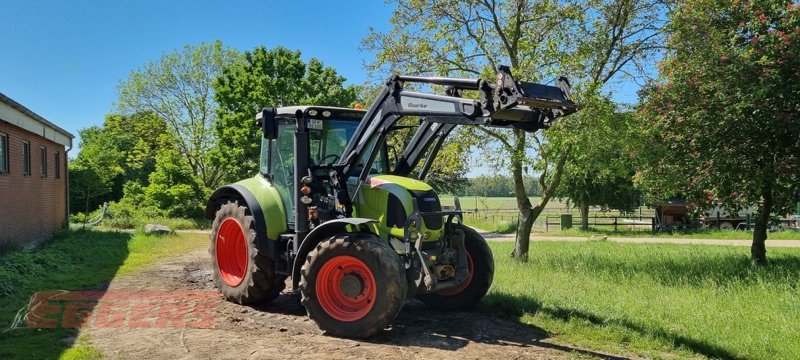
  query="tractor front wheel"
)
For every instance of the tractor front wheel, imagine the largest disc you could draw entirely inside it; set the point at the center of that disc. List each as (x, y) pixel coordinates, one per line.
(242, 274)
(481, 272)
(353, 285)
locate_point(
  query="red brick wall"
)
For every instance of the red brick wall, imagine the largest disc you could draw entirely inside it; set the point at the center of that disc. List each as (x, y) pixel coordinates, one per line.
(32, 207)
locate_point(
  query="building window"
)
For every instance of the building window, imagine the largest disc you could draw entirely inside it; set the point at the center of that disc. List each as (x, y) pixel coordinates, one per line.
(26, 158)
(3, 153)
(58, 165)
(44, 161)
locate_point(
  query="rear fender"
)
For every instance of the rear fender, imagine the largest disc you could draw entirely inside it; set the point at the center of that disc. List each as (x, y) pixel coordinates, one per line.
(264, 203)
(320, 233)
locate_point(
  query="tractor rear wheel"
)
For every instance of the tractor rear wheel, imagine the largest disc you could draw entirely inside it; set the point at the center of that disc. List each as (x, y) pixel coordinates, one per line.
(353, 285)
(242, 274)
(481, 272)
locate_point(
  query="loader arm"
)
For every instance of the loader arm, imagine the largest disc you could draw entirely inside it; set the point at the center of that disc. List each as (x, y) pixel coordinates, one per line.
(504, 103)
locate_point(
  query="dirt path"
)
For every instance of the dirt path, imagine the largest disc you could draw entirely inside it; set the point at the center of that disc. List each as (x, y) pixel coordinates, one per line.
(282, 330)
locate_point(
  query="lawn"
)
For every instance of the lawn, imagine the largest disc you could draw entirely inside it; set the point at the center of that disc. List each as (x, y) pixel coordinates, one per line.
(658, 301)
(73, 260)
(688, 234)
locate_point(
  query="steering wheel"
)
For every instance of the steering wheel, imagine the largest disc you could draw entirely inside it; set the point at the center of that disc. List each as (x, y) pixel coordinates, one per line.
(334, 158)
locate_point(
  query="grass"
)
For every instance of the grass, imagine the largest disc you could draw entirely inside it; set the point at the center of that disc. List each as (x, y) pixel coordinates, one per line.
(688, 234)
(504, 226)
(659, 301)
(73, 260)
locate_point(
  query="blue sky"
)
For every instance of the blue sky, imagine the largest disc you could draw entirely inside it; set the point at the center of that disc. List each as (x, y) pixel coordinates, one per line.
(63, 59)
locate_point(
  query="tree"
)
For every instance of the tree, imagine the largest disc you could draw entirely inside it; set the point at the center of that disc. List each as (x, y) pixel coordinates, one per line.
(723, 120)
(593, 41)
(274, 77)
(178, 88)
(173, 189)
(121, 151)
(85, 184)
(600, 171)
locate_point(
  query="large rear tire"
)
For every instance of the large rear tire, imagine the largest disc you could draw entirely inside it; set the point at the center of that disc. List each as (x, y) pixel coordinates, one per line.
(481, 267)
(242, 274)
(353, 285)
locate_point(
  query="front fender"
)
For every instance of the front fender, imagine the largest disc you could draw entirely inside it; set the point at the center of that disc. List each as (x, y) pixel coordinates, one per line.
(320, 233)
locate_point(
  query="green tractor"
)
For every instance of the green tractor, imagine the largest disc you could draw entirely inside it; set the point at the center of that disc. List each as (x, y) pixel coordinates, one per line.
(355, 233)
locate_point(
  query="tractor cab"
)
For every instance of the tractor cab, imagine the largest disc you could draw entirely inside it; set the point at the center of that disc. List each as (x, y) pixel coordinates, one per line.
(329, 130)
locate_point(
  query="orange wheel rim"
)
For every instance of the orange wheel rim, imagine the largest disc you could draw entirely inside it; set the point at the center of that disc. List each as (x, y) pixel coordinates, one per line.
(464, 284)
(346, 288)
(231, 251)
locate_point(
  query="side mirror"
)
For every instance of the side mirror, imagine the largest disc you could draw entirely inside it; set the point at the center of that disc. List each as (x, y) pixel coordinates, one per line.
(269, 126)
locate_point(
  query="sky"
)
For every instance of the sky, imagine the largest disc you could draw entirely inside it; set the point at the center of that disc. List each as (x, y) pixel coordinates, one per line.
(64, 59)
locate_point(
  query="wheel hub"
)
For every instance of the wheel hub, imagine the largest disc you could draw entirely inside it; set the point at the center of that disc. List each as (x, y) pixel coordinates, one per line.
(346, 288)
(351, 285)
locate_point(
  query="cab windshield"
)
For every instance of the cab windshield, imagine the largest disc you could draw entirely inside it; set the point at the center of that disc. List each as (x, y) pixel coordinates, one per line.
(327, 140)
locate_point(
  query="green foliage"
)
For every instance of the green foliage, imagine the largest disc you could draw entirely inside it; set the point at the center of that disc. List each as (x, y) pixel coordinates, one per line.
(173, 187)
(722, 124)
(723, 120)
(267, 78)
(156, 155)
(652, 301)
(600, 170)
(121, 151)
(144, 174)
(85, 185)
(178, 88)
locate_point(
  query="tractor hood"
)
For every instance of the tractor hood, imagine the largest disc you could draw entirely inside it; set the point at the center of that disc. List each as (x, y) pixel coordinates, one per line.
(390, 200)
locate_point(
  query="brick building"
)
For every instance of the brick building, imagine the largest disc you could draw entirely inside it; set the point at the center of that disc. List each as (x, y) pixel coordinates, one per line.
(33, 175)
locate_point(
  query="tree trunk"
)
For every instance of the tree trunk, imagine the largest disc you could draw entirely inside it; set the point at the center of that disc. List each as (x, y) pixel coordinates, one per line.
(525, 223)
(584, 205)
(528, 214)
(758, 250)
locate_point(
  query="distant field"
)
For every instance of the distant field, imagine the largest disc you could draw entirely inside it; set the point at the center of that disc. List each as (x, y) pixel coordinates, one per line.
(499, 214)
(494, 203)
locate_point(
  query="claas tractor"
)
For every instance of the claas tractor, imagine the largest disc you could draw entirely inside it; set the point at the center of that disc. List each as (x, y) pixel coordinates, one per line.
(356, 234)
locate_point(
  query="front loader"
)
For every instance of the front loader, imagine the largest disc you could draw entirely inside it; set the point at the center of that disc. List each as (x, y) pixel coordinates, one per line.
(356, 234)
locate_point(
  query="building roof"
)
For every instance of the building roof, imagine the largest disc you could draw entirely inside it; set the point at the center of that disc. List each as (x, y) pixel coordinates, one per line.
(26, 119)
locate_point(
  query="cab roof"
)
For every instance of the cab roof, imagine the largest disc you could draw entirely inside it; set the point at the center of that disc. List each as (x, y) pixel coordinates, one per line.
(321, 112)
